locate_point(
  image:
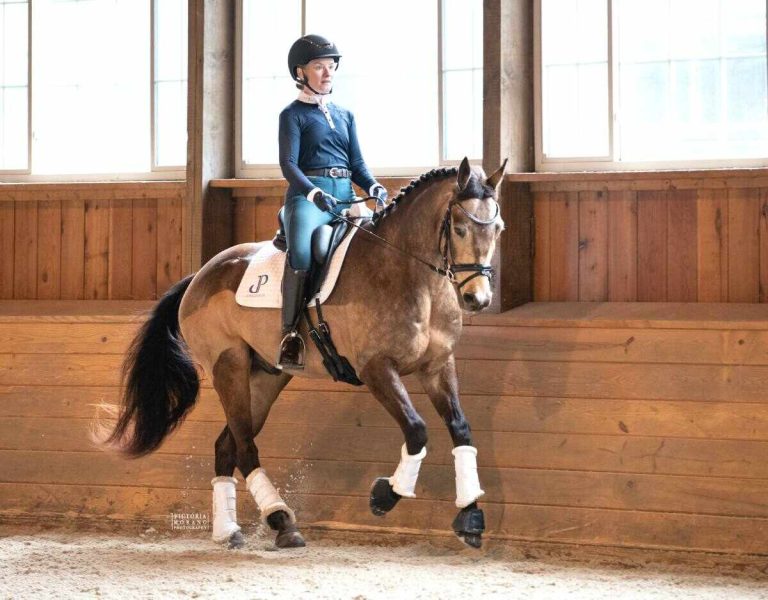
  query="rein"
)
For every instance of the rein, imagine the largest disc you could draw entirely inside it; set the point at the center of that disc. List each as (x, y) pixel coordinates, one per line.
(449, 268)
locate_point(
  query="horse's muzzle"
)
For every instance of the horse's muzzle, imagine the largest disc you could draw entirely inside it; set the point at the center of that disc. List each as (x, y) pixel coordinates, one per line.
(475, 302)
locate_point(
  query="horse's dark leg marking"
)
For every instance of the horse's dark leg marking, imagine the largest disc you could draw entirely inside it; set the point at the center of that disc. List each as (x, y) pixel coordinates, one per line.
(385, 384)
(225, 454)
(387, 387)
(231, 381)
(442, 387)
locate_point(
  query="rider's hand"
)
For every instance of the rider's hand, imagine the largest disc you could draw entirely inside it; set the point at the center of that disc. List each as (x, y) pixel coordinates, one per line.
(323, 201)
(380, 192)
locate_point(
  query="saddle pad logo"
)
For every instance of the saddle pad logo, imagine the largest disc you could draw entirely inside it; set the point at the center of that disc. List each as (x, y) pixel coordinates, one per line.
(262, 280)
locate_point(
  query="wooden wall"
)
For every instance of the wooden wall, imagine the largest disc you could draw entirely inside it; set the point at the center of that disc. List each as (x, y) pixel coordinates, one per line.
(651, 238)
(90, 241)
(625, 424)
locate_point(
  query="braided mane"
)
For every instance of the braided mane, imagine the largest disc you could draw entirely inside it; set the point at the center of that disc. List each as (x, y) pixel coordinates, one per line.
(406, 191)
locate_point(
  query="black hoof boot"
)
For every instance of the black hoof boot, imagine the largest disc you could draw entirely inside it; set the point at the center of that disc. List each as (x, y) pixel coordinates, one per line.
(236, 540)
(288, 535)
(469, 526)
(383, 497)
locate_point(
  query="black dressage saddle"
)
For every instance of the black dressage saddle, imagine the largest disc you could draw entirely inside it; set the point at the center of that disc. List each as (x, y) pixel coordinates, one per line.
(325, 240)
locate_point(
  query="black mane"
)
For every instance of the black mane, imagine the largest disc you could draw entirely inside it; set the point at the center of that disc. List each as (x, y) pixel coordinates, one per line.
(474, 189)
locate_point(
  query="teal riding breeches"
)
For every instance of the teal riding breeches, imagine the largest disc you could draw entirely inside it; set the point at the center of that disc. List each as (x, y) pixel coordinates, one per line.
(302, 217)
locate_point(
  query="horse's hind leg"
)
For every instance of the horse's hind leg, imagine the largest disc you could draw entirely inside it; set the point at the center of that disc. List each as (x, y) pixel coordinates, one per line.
(442, 387)
(225, 527)
(232, 379)
(385, 384)
(265, 388)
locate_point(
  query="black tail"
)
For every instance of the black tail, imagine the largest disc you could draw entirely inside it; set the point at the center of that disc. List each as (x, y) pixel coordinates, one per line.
(160, 380)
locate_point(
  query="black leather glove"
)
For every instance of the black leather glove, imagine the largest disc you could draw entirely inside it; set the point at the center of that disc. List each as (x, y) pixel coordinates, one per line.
(324, 202)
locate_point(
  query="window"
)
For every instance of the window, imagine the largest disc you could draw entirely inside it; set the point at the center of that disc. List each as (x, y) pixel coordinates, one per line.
(389, 76)
(14, 85)
(628, 84)
(101, 101)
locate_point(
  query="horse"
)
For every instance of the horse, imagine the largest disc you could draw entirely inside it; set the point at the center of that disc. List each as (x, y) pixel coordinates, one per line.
(418, 266)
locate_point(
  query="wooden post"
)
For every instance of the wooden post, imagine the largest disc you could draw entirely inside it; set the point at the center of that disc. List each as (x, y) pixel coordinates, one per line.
(210, 129)
(508, 133)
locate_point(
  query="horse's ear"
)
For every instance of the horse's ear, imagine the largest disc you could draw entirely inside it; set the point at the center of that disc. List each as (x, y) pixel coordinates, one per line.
(495, 180)
(464, 173)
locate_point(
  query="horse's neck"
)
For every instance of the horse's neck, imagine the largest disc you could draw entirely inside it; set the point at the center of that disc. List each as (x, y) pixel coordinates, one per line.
(415, 224)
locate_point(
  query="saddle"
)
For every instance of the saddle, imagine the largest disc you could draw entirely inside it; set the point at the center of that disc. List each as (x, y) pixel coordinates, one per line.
(325, 241)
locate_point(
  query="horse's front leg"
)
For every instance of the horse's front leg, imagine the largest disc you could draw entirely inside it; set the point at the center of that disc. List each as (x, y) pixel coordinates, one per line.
(386, 386)
(442, 386)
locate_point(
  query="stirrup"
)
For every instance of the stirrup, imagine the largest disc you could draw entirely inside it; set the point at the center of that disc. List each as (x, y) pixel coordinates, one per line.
(289, 359)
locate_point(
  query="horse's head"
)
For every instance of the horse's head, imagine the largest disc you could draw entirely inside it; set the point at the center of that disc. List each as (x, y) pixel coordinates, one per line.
(472, 225)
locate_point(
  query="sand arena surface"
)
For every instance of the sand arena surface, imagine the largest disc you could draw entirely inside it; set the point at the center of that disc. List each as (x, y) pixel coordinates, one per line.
(156, 564)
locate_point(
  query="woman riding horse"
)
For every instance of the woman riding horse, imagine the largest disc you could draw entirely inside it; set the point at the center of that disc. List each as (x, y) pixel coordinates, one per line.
(320, 157)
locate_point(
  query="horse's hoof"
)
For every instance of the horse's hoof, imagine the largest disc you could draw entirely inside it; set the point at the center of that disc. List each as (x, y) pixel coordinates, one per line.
(383, 497)
(236, 540)
(473, 540)
(289, 539)
(469, 525)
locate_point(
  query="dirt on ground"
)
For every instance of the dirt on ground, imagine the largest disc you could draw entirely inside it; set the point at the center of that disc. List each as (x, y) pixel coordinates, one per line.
(60, 563)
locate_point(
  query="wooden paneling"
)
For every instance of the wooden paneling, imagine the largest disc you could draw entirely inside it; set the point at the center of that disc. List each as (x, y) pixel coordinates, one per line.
(593, 247)
(712, 231)
(7, 250)
(95, 241)
(660, 245)
(564, 246)
(25, 251)
(619, 424)
(622, 246)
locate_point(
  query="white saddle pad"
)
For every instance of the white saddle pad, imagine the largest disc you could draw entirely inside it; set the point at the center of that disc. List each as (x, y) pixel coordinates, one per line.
(261, 284)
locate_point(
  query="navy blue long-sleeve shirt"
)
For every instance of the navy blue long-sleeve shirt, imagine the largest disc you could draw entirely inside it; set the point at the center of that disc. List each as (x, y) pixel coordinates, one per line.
(307, 141)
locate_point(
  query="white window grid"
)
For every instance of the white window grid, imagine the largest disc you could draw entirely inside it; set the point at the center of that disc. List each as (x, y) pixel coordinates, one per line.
(609, 161)
(155, 174)
(246, 170)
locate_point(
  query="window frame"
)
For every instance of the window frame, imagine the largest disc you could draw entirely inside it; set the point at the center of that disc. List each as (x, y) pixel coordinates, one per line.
(156, 173)
(271, 171)
(608, 163)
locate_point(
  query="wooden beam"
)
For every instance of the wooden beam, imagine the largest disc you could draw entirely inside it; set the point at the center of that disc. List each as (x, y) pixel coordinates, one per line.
(210, 129)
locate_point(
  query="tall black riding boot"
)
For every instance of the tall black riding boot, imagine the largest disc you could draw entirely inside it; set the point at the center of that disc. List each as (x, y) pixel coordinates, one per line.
(292, 348)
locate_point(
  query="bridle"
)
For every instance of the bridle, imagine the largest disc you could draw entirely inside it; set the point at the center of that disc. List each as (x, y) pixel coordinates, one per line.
(444, 246)
(449, 268)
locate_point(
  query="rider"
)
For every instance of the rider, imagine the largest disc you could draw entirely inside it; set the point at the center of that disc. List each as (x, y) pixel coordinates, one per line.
(320, 157)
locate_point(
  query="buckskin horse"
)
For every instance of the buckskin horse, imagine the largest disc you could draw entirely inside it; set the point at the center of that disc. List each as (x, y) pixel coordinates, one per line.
(423, 261)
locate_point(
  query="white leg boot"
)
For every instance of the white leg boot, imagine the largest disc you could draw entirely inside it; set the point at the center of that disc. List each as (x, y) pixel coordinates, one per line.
(224, 509)
(267, 497)
(403, 482)
(467, 482)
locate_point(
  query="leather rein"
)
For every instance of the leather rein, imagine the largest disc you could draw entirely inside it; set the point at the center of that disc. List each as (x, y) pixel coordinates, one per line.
(449, 268)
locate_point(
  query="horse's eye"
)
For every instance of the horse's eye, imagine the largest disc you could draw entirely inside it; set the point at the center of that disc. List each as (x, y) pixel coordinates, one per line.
(460, 231)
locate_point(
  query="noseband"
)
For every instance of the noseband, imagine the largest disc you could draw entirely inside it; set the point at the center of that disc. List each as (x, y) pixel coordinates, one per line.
(444, 246)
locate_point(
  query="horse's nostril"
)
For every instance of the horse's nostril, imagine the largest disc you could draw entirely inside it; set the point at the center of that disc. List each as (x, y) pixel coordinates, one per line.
(468, 298)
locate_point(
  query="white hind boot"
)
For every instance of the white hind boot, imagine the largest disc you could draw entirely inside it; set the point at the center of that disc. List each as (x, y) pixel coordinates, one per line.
(224, 509)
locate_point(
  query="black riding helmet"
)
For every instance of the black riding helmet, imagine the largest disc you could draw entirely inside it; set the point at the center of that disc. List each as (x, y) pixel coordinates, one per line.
(307, 48)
